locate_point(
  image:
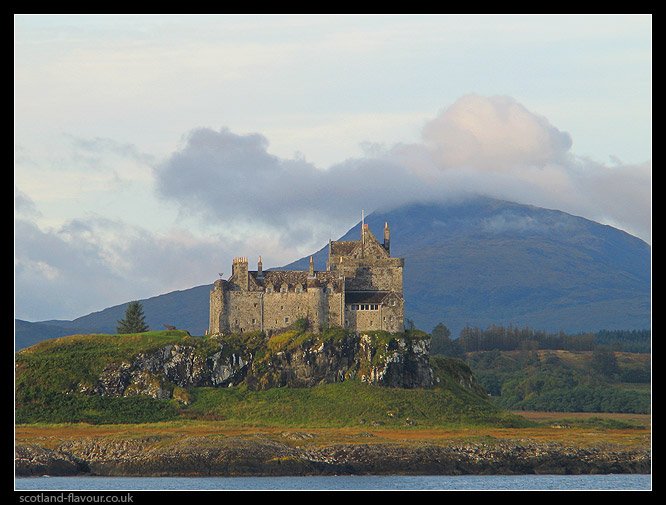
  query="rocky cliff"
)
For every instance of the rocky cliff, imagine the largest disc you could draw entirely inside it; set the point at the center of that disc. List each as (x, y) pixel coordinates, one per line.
(292, 359)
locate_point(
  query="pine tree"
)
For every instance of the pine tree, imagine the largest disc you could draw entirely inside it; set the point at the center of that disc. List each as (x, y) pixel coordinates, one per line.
(134, 321)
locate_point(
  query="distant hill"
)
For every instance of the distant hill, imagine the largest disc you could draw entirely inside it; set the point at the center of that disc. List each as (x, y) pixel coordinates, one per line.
(187, 310)
(485, 261)
(480, 261)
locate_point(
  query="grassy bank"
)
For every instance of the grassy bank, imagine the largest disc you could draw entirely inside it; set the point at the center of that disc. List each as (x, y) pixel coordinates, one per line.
(54, 380)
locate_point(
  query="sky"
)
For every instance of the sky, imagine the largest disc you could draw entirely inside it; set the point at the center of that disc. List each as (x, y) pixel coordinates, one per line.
(151, 150)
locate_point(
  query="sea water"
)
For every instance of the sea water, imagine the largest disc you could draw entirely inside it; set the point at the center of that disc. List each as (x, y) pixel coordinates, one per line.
(345, 482)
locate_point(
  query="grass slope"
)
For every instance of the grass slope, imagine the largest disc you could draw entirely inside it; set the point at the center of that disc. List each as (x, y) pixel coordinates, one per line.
(48, 376)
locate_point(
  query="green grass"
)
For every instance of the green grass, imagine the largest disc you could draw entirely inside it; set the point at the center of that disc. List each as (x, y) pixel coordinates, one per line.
(54, 407)
(349, 403)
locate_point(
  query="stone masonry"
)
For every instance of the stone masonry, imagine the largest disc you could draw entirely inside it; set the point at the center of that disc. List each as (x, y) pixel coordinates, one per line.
(361, 289)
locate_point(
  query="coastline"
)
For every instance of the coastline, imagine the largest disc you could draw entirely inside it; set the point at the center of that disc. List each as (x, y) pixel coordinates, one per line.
(230, 456)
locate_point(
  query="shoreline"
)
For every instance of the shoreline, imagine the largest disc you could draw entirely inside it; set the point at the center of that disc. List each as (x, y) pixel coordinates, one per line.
(261, 456)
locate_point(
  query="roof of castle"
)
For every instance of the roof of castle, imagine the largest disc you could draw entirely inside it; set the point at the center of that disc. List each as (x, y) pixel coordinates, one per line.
(365, 296)
(343, 247)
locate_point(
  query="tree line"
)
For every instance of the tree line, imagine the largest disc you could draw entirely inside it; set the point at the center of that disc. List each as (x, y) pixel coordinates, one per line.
(512, 338)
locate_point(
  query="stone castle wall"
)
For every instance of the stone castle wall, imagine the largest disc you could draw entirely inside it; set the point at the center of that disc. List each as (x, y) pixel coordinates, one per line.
(238, 310)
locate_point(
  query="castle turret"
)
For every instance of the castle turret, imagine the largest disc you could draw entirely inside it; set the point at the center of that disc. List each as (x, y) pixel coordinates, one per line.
(387, 238)
(239, 272)
(260, 269)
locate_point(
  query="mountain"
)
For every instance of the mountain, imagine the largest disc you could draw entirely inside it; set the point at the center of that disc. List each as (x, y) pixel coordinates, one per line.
(484, 261)
(479, 261)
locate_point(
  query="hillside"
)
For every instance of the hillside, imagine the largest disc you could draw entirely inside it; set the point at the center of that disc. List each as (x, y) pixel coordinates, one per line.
(479, 262)
(565, 381)
(239, 380)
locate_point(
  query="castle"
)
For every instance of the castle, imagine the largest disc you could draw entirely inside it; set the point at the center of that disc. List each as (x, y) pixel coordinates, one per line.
(361, 289)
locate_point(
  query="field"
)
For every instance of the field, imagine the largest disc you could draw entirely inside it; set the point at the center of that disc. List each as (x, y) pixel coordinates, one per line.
(569, 429)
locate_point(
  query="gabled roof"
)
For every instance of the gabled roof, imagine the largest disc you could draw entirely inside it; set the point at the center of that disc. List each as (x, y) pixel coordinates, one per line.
(349, 247)
(343, 247)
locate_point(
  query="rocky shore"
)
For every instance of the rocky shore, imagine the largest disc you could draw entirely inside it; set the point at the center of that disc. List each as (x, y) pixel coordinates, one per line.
(255, 456)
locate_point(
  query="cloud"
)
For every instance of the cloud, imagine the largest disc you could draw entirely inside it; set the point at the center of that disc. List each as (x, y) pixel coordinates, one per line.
(489, 145)
(89, 264)
(492, 133)
(24, 205)
(104, 145)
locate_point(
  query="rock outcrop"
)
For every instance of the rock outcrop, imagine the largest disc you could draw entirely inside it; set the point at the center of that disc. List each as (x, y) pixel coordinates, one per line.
(380, 359)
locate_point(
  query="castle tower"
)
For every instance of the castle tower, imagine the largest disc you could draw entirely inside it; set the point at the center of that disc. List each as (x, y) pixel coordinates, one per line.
(260, 269)
(239, 272)
(311, 272)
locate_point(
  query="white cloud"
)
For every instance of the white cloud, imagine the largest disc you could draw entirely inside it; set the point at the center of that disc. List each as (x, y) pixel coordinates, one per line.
(488, 145)
(493, 133)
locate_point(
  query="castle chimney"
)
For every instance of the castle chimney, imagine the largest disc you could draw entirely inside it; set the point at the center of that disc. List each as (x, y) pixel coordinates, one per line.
(387, 238)
(260, 268)
(311, 272)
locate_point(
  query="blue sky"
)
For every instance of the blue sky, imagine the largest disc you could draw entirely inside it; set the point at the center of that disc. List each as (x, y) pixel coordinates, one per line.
(137, 137)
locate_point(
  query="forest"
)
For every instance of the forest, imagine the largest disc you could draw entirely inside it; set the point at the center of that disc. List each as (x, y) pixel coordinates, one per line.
(527, 369)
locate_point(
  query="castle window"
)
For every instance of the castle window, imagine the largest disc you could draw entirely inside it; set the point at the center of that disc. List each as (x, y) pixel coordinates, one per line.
(255, 304)
(392, 303)
(236, 322)
(281, 307)
(283, 289)
(286, 319)
(254, 321)
(269, 289)
(329, 290)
